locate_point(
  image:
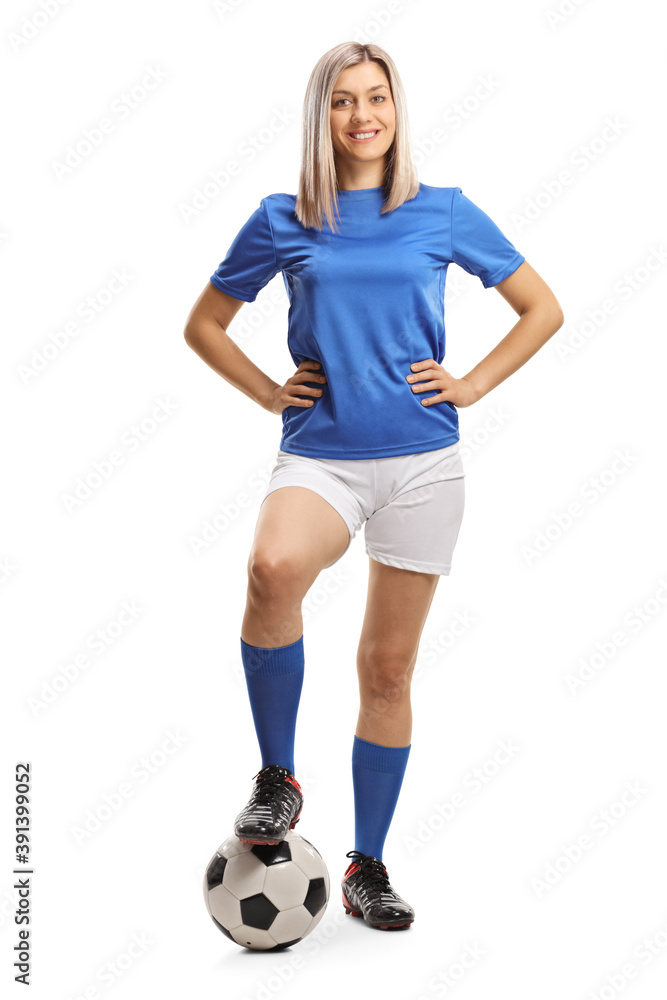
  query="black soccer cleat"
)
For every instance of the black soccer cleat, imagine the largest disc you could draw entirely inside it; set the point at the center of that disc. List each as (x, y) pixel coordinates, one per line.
(367, 892)
(273, 808)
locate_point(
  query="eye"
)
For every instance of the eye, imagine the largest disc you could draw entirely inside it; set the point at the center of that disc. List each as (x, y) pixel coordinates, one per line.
(379, 97)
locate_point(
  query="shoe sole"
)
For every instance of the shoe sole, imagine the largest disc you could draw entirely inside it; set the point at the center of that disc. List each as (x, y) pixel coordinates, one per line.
(381, 927)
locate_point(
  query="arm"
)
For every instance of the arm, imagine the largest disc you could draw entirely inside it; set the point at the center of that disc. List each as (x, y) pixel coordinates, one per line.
(206, 333)
(540, 317)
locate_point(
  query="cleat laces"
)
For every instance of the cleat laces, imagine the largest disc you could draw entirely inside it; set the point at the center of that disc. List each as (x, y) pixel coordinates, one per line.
(272, 777)
(376, 879)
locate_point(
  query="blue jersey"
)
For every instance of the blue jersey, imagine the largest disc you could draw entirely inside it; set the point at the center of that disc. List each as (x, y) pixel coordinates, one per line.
(367, 302)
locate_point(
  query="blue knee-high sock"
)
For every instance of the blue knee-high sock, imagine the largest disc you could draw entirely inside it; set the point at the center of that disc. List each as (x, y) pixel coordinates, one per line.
(377, 776)
(274, 678)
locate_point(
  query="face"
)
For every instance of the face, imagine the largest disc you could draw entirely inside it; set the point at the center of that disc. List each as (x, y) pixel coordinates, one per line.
(362, 102)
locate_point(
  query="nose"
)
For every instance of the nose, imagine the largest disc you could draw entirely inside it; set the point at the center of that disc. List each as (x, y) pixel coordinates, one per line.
(360, 118)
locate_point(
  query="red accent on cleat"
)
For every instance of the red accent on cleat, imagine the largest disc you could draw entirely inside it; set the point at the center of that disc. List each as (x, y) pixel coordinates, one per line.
(292, 780)
(348, 907)
(296, 818)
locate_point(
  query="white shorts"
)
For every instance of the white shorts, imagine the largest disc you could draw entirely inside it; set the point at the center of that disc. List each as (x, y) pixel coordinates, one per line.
(411, 505)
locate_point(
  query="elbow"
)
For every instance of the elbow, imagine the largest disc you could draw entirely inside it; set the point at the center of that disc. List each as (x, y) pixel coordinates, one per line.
(551, 312)
(553, 308)
(190, 335)
(558, 315)
(553, 319)
(195, 334)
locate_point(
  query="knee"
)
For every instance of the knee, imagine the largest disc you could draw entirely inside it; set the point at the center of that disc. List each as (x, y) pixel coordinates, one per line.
(274, 575)
(385, 672)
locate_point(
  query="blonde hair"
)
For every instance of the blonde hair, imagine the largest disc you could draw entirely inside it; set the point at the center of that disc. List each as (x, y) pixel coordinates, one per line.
(318, 188)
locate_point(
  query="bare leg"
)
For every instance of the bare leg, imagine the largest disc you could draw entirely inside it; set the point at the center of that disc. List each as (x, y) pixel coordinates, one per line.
(396, 609)
(298, 534)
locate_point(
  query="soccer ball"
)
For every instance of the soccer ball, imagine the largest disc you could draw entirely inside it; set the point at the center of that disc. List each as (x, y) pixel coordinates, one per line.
(266, 896)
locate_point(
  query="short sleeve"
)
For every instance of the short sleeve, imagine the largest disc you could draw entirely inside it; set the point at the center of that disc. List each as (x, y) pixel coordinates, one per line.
(478, 245)
(250, 262)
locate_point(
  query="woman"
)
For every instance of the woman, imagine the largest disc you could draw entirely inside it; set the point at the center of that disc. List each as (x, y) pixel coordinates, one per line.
(370, 427)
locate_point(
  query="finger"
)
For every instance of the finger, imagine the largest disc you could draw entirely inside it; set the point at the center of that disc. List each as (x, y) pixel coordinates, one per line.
(309, 390)
(298, 401)
(293, 386)
(429, 373)
(440, 398)
(425, 386)
(307, 376)
(418, 365)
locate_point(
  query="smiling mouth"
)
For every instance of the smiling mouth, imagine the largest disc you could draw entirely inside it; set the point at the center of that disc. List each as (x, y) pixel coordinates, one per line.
(366, 136)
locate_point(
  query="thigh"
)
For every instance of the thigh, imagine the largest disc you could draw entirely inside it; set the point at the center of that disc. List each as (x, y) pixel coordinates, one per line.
(397, 606)
(298, 529)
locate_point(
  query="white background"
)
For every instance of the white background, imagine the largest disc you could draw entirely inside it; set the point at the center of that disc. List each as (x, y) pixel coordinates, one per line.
(537, 444)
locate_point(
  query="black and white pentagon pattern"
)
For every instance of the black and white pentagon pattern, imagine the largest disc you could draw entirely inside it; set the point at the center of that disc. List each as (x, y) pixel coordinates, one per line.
(266, 897)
